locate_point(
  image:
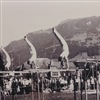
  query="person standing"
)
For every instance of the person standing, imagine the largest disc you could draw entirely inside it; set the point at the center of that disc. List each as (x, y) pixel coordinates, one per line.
(99, 80)
(71, 86)
(58, 85)
(88, 84)
(92, 83)
(14, 88)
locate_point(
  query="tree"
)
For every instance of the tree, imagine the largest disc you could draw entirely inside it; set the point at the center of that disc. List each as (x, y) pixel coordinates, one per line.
(1, 63)
(1, 69)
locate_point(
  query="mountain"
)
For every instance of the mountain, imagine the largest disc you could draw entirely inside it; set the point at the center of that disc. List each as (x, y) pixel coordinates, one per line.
(82, 35)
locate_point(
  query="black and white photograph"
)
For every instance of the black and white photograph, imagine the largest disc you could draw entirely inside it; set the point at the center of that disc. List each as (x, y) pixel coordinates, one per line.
(49, 50)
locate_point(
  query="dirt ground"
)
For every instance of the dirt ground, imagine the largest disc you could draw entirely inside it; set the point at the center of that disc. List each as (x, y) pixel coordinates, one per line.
(52, 96)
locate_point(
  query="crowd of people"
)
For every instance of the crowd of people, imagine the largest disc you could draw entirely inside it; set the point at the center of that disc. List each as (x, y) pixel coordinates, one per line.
(23, 85)
(17, 85)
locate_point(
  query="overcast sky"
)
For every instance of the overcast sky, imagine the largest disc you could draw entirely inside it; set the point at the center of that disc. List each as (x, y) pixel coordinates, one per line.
(20, 18)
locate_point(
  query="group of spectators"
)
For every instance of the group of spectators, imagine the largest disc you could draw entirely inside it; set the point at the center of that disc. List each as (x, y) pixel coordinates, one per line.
(24, 85)
(17, 85)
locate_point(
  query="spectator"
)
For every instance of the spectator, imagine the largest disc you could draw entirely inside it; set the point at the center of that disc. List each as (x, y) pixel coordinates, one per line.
(71, 86)
(77, 83)
(92, 83)
(88, 84)
(58, 85)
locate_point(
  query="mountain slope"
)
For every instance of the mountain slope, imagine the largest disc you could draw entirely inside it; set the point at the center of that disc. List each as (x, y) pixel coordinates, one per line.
(82, 35)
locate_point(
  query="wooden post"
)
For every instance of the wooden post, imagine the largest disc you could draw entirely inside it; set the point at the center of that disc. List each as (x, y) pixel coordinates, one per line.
(38, 85)
(42, 88)
(93, 76)
(32, 86)
(97, 94)
(3, 88)
(74, 88)
(97, 88)
(1, 94)
(85, 84)
(81, 85)
(86, 90)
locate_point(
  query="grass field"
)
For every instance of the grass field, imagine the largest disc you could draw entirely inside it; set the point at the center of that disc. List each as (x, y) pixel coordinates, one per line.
(52, 96)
